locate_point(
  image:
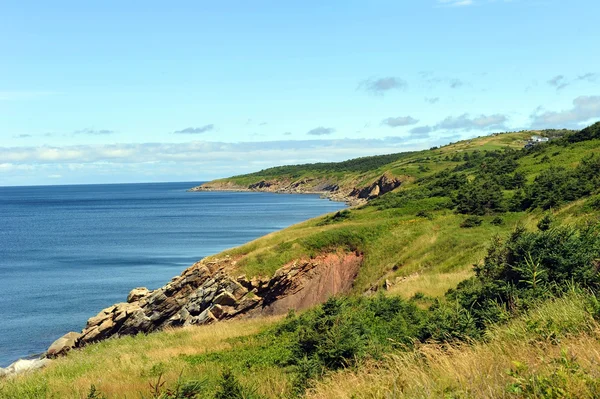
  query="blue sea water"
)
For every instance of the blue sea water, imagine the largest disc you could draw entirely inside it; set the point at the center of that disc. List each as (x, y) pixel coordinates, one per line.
(66, 252)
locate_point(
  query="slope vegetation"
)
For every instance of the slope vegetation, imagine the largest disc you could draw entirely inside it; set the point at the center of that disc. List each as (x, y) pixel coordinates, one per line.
(483, 260)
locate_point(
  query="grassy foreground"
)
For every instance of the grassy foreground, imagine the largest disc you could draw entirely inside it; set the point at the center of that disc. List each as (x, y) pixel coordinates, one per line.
(552, 352)
(482, 270)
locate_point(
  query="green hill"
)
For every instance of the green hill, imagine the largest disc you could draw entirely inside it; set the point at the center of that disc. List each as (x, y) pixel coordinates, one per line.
(478, 277)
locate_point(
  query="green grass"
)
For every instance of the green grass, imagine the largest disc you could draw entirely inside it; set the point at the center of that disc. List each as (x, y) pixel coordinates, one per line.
(413, 245)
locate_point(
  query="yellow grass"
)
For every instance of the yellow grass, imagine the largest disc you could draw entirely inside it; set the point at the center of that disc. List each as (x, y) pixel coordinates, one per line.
(124, 367)
(430, 284)
(516, 354)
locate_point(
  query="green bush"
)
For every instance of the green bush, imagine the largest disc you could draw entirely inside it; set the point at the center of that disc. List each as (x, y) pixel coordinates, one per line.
(448, 322)
(545, 222)
(335, 218)
(497, 221)
(230, 388)
(529, 267)
(471, 221)
(481, 197)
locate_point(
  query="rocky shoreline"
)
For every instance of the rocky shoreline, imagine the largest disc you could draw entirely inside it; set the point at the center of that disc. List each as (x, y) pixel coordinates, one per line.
(351, 195)
(208, 292)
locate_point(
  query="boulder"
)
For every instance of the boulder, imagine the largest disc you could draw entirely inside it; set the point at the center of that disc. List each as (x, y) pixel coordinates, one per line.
(374, 192)
(89, 334)
(25, 365)
(247, 302)
(225, 298)
(138, 322)
(237, 289)
(205, 317)
(137, 293)
(217, 311)
(62, 345)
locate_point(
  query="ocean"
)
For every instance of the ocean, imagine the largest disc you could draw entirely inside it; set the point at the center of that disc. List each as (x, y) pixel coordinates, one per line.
(66, 252)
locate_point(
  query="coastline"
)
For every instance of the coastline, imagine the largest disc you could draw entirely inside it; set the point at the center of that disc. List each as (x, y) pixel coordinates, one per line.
(39, 360)
(349, 196)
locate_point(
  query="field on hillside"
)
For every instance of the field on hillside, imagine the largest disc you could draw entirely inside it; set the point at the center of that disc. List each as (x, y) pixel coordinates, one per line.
(480, 279)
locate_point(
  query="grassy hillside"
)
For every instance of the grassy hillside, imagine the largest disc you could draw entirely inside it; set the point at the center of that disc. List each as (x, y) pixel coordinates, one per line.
(485, 261)
(416, 230)
(360, 171)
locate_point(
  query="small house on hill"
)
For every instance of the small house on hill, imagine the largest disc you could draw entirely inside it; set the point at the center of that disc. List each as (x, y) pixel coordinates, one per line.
(539, 139)
(536, 140)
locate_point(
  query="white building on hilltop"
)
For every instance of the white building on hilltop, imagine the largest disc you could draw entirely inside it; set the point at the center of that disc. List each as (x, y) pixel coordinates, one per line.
(539, 139)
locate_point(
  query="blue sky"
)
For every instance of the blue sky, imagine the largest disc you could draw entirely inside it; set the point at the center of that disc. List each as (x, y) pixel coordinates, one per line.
(133, 91)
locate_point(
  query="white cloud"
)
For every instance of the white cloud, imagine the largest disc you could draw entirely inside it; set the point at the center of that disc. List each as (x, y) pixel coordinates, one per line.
(196, 130)
(456, 3)
(399, 121)
(465, 122)
(584, 108)
(381, 85)
(321, 131)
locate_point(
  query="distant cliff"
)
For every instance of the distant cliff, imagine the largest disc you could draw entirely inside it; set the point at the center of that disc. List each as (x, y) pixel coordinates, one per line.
(329, 188)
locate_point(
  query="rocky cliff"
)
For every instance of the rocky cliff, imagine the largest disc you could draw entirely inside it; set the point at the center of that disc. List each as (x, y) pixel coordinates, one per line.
(208, 292)
(349, 193)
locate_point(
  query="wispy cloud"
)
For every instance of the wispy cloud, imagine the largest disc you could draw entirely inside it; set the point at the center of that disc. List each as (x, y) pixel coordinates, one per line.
(194, 150)
(456, 3)
(588, 77)
(432, 100)
(584, 108)
(432, 80)
(321, 131)
(421, 131)
(464, 123)
(379, 86)
(399, 121)
(561, 81)
(196, 130)
(94, 132)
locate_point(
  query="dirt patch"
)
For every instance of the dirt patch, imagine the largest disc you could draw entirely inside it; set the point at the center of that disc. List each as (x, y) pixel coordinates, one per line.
(306, 283)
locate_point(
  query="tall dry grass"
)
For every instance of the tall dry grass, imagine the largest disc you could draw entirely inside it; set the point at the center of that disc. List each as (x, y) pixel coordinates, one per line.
(554, 349)
(125, 367)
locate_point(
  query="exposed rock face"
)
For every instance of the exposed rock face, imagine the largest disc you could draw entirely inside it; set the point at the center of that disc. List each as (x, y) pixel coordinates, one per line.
(205, 293)
(137, 293)
(260, 185)
(328, 189)
(385, 184)
(62, 345)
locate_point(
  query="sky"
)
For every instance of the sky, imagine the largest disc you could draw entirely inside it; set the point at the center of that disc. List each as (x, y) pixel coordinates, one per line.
(142, 91)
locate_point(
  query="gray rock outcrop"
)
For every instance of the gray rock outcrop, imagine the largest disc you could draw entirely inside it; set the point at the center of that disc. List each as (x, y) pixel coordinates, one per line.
(137, 293)
(64, 344)
(206, 292)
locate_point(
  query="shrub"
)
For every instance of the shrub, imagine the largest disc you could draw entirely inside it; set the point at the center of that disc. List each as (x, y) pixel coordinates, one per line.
(528, 267)
(94, 393)
(230, 388)
(471, 221)
(545, 222)
(497, 221)
(480, 197)
(449, 322)
(335, 218)
(424, 214)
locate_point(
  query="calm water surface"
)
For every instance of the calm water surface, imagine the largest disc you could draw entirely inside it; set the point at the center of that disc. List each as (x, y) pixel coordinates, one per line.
(66, 252)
